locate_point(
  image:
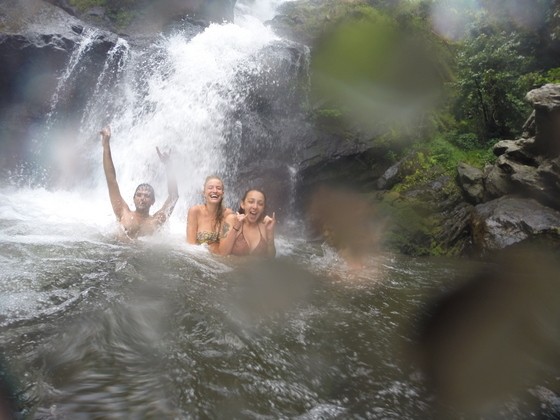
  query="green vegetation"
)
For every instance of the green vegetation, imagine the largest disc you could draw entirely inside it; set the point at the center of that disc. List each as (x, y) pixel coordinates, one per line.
(432, 97)
(361, 65)
(120, 12)
(425, 95)
(386, 70)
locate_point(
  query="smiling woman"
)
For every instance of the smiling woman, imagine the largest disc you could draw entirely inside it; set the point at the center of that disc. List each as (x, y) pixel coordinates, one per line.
(253, 231)
(205, 220)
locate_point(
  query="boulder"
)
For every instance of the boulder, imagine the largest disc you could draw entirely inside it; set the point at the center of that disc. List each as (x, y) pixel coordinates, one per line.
(496, 183)
(471, 181)
(529, 166)
(522, 151)
(509, 220)
(390, 177)
(546, 102)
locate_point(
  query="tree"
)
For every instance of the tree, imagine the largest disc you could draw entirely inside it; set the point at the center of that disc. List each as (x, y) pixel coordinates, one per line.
(489, 95)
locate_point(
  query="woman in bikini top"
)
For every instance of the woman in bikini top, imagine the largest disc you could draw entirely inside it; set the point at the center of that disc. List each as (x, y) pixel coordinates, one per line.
(208, 238)
(249, 232)
(242, 247)
(204, 220)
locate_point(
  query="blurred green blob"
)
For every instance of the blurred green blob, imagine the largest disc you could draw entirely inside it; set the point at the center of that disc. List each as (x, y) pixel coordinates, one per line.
(356, 51)
(381, 73)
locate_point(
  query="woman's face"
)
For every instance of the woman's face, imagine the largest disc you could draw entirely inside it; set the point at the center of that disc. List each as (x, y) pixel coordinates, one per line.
(253, 205)
(213, 191)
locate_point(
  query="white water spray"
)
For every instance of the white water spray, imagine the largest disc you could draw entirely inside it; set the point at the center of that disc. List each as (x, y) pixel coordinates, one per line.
(178, 95)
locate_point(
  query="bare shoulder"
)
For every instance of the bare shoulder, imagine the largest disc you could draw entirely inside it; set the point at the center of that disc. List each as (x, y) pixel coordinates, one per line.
(230, 218)
(126, 214)
(195, 210)
(227, 212)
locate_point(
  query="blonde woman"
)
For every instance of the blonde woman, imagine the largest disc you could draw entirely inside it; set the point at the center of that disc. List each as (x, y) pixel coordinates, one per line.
(204, 221)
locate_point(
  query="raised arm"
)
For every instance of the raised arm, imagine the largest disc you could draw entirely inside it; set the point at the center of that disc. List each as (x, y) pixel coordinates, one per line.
(231, 227)
(270, 224)
(172, 192)
(118, 203)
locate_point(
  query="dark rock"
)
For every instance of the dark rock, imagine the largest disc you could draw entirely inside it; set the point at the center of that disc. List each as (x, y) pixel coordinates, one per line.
(529, 128)
(522, 151)
(471, 181)
(390, 177)
(546, 101)
(496, 183)
(507, 220)
(64, 5)
(35, 46)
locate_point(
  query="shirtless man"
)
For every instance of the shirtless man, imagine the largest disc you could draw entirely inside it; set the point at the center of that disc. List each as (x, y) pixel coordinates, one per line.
(138, 222)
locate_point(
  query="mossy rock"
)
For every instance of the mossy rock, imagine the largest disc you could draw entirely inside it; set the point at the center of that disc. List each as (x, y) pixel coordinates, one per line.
(426, 219)
(307, 21)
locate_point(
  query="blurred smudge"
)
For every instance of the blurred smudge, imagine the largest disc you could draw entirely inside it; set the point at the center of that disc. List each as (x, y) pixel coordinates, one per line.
(496, 335)
(263, 288)
(347, 221)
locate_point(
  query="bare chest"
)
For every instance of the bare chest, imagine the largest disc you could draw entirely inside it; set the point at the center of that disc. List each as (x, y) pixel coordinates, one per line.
(135, 225)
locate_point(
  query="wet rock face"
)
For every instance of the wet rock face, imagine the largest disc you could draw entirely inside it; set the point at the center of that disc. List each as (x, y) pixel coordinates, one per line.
(36, 42)
(546, 101)
(528, 167)
(154, 16)
(521, 191)
(472, 182)
(506, 221)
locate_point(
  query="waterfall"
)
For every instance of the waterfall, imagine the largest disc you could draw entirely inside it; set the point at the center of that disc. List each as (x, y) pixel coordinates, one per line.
(81, 49)
(181, 101)
(181, 93)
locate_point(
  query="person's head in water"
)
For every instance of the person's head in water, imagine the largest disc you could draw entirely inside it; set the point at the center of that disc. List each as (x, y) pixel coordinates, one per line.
(213, 193)
(213, 190)
(144, 197)
(253, 204)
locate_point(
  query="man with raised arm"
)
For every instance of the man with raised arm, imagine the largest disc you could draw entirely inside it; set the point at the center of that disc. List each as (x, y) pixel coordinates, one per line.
(138, 222)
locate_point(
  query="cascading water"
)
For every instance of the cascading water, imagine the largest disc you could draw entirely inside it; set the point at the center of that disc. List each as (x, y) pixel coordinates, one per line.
(92, 328)
(179, 95)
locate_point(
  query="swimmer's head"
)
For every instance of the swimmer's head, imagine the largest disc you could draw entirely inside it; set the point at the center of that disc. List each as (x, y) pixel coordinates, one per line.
(144, 197)
(147, 188)
(253, 204)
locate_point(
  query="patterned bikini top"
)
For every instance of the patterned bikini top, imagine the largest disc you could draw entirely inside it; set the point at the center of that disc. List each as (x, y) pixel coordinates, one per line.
(205, 237)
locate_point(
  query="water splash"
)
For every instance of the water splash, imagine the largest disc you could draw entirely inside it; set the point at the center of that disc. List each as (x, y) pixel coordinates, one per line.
(87, 41)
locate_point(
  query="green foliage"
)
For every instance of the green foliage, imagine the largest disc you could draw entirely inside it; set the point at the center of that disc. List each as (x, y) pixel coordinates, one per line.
(510, 51)
(537, 79)
(120, 12)
(328, 114)
(362, 66)
(438, 157)
(489, 94)
(331, 120)
(410, 231)
(83, 5)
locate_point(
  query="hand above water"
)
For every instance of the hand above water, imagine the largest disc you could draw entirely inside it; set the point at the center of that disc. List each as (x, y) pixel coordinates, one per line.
(105, 134)
(270, 223)
(164, 156)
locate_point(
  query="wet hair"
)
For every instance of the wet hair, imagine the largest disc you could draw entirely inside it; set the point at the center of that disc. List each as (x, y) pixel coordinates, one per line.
(220, 211)
(148, 187)
(242, 210)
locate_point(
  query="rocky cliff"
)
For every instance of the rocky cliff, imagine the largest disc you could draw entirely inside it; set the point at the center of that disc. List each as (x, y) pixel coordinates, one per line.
(518, 198)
